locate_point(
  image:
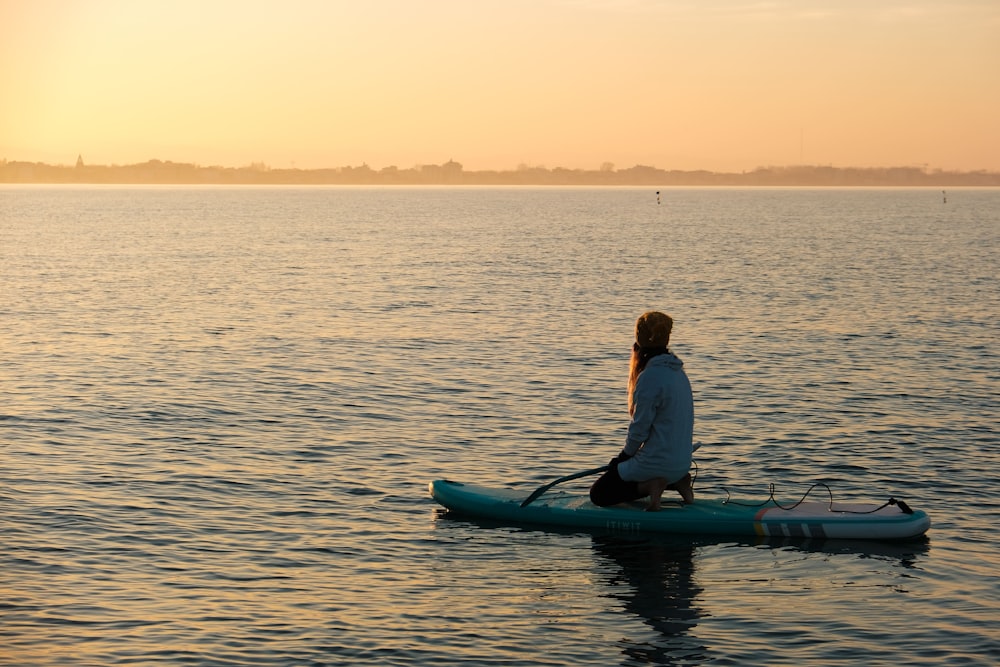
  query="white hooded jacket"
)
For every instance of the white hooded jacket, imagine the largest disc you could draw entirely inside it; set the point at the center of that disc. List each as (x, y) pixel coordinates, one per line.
(660, 434)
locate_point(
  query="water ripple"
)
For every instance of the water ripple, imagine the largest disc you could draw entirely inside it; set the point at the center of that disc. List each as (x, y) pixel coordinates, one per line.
(221, 407)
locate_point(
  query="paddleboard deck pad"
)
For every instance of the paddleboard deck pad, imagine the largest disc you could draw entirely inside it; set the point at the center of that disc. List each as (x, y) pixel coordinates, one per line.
(805, 519)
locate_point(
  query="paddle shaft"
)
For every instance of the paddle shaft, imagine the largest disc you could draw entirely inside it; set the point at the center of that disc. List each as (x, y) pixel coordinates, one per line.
(542, 489)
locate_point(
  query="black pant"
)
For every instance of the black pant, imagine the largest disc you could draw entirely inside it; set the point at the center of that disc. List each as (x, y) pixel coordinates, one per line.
(611, 489)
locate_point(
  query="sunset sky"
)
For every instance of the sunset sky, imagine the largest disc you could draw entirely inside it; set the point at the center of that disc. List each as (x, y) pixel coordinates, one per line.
(724, 85)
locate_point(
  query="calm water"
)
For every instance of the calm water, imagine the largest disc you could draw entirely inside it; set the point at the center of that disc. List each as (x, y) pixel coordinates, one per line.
(220, 408)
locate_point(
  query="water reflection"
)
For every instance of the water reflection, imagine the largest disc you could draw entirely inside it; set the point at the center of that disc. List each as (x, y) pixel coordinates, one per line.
(657, 580)
(654, 579)
(905, 553)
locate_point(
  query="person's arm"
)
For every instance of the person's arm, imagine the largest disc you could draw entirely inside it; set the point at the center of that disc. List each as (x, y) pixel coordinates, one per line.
(642, 417)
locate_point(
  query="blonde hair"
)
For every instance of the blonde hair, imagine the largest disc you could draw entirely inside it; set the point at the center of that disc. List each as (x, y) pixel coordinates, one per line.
(652, 335)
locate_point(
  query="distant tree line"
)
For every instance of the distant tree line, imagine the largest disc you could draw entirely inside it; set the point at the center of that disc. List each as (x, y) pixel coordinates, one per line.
(452, 173)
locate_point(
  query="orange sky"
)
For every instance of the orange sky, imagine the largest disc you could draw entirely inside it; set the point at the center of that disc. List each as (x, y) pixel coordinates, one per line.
(676, 84)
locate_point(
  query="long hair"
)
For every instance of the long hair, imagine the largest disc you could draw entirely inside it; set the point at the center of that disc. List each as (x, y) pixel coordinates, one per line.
(640, 357)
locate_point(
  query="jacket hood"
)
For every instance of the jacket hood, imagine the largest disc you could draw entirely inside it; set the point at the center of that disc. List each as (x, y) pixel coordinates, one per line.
(668, 360)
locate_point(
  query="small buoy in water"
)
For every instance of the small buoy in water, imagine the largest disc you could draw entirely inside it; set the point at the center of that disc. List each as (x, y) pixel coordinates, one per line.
(657, 196)
(944, 196)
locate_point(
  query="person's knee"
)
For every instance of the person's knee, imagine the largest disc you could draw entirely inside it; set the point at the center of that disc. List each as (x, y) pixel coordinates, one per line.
(597, 497)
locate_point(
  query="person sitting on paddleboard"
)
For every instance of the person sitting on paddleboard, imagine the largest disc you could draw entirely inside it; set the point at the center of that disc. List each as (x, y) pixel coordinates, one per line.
(658, 446)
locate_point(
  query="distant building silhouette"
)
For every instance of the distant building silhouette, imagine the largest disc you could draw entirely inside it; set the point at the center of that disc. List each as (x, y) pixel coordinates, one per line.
(453, 173)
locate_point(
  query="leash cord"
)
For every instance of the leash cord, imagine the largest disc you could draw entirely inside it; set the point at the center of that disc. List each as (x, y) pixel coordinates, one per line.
(771, 499)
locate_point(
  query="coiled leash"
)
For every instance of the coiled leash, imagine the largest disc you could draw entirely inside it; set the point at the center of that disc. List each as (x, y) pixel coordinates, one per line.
(903, 507)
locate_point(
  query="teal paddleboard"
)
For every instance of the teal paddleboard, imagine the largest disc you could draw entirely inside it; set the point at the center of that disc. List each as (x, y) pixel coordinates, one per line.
(807, 519)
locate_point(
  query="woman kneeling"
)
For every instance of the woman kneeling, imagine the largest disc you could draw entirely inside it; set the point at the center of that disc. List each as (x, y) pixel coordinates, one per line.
(658, 446)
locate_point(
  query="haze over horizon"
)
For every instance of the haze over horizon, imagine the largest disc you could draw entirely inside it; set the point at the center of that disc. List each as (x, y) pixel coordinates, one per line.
(717, 85)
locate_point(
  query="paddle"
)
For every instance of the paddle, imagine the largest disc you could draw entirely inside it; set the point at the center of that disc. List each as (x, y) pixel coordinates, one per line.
(542, 489)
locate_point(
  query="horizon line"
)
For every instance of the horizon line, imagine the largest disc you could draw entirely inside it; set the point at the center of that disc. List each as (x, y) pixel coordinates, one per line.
(606, 167)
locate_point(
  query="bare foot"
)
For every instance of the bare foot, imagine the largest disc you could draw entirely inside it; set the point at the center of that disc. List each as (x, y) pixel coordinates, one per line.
(656, 487)
(683, 487)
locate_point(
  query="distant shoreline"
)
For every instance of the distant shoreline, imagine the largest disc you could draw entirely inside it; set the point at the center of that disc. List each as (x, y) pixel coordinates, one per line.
(452, 173)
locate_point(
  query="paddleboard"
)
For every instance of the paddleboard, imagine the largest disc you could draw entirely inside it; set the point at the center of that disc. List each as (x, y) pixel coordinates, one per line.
(725, 516)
